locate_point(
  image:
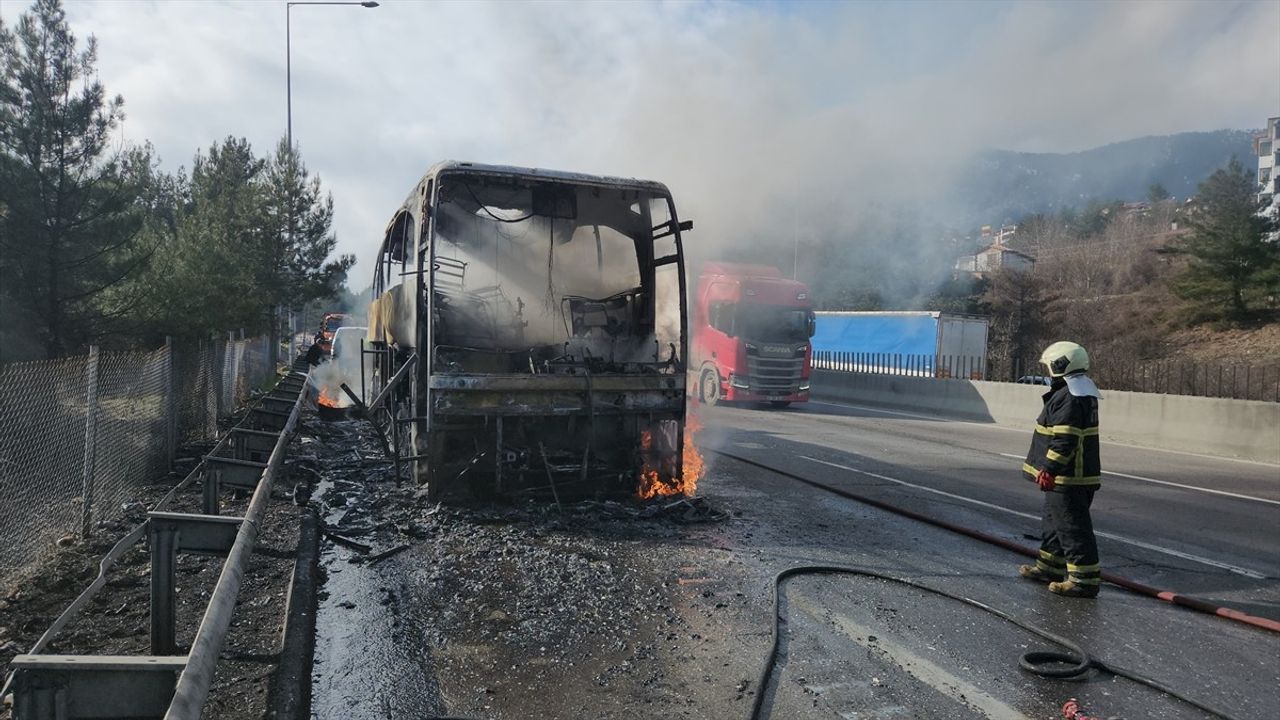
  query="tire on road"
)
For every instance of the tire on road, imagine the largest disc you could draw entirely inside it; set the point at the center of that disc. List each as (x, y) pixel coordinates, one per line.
(709, 387)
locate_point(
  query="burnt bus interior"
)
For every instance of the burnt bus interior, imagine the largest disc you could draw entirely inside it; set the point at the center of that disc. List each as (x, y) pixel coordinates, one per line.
(549, 330)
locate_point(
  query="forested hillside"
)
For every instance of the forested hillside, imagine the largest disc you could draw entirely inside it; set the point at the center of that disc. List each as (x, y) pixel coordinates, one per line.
(1003, 186)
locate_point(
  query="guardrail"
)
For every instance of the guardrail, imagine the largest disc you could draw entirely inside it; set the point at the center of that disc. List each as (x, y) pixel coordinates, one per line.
(1166, 377)
(53, 687)
(969, 367)
(1212, 426)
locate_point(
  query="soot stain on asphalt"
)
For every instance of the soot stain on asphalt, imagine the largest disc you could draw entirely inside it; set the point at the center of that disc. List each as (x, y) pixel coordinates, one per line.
(510, 610)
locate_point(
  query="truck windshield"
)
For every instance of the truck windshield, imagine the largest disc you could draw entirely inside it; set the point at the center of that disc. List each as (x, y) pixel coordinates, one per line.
(769, 323)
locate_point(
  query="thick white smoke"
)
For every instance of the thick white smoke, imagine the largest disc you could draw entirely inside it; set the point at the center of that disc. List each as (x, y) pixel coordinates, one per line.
(771, 122)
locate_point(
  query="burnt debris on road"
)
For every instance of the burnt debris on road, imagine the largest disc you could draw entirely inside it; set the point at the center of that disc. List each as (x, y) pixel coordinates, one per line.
(616, 609)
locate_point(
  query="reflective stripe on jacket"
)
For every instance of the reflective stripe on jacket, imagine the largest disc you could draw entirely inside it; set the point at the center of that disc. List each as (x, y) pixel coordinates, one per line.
(1066, 440)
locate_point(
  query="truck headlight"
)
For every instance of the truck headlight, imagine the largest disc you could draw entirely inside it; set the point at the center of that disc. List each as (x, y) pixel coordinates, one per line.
(738, 382)
(804, 386)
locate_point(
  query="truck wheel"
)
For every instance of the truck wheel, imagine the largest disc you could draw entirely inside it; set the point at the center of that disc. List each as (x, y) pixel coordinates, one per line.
(709, 387)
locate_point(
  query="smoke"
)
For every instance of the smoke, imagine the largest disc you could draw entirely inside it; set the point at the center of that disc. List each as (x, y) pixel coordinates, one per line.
(342, 368)
(839, 133)
(780, 135)
(843, 129)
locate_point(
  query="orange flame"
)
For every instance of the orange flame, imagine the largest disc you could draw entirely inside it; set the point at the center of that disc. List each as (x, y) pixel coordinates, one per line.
(652, 482)
(328, 398)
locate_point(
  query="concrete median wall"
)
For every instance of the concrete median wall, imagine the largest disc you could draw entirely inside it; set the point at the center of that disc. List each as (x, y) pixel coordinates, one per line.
(1246, 429)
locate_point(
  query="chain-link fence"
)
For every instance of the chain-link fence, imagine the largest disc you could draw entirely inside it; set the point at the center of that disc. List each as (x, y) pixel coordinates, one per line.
(79, 435)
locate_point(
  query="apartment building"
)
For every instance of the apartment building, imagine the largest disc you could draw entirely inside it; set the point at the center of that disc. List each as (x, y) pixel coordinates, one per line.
(1266, 146)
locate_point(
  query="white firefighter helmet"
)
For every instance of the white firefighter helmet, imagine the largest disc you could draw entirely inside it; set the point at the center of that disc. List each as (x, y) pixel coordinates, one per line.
(1064, 358)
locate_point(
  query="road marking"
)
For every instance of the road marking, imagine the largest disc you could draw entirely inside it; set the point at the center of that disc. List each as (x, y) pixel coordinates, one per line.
(993, 426)
(935, 491)
(1171, 484)
(914, 664)
(916, 416)
(1110, 536)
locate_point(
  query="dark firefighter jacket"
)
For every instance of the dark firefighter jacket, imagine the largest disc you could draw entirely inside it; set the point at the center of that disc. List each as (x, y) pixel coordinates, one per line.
(1066, 440)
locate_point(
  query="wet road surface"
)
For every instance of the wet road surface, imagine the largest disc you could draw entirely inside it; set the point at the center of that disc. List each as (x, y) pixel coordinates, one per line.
(1203, 526)
(523, 612)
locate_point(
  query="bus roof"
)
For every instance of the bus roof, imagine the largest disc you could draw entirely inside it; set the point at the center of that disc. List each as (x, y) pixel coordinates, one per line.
(455, 166)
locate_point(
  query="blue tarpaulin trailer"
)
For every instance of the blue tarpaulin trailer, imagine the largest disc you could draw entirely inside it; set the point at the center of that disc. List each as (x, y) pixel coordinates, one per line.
(911, 342)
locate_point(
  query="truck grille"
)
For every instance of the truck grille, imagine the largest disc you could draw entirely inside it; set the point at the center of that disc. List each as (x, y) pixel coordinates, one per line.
(774, 375)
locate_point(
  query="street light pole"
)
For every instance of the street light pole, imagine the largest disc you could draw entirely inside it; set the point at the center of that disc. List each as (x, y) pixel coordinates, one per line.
(288, 95)
(288, 56)
(288, 74)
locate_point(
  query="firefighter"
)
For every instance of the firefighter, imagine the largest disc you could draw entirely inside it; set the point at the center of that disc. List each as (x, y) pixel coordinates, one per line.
(1065, 463)
(314, 353)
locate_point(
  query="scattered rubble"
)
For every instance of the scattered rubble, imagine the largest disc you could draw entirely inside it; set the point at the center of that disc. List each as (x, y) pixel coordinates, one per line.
(501, 595)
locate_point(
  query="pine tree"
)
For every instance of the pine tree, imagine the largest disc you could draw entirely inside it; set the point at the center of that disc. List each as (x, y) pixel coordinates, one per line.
(205, 277)
(295, 268)
(69, 230)
(1019, 306)
(1234, 268)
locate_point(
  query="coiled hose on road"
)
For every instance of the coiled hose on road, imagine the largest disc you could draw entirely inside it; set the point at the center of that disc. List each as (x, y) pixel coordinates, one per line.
(1072, 665)
(1063, 666)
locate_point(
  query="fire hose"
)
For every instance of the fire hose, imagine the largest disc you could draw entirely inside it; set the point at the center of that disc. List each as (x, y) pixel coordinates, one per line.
(1072, 665)
(1117, 580)
(1075, 664)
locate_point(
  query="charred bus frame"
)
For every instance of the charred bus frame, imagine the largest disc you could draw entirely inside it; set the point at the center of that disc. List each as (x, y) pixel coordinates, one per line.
(544, 315)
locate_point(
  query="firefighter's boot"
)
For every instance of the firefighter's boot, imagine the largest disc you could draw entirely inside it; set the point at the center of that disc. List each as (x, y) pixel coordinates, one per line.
(1039, 574)
(1071, 588)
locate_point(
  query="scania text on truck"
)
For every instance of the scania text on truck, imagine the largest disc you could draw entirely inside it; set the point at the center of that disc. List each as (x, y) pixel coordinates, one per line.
(751, 330)
(543, 315)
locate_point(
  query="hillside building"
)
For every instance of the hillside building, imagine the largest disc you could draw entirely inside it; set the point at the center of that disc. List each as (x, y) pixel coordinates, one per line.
(999, 237)
(995, 257)
(1266, 146)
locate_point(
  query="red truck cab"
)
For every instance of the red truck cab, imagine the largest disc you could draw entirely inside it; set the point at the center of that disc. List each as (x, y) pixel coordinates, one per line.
(328, 326)
(751, 330)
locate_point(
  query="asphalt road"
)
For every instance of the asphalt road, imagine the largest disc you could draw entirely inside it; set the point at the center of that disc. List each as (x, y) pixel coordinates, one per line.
(529, 611)
(1213, 534)
(1204, 526)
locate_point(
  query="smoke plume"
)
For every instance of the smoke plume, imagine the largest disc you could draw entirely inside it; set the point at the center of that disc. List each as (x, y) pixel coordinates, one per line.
(840, 129)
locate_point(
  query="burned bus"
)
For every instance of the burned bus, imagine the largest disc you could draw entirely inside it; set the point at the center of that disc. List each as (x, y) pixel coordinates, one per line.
(530, 330)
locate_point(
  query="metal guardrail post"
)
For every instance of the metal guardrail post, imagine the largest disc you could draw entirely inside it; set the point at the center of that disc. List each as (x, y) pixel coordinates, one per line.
(170, 534)
(164, 597)
(90, 442)
(56, 687)
(210, 490)
(193, 685)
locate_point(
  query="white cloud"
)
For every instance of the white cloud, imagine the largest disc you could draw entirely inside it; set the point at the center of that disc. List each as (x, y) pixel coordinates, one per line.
(738, 107)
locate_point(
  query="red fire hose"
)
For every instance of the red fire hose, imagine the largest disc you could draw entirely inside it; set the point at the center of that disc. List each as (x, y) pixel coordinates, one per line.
(1126, 583)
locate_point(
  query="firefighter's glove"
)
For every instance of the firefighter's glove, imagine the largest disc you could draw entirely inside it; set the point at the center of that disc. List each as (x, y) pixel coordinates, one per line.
(1045, 481)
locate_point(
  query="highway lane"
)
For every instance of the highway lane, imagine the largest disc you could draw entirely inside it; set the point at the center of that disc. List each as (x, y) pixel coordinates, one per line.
(533, 610)
(1208, 527)
(857, 647)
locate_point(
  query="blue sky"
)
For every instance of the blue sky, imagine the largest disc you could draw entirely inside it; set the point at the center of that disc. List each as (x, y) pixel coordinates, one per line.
(739, 107)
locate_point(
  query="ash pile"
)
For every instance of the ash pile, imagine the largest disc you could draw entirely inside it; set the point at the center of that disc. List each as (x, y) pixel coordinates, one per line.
(570, 585)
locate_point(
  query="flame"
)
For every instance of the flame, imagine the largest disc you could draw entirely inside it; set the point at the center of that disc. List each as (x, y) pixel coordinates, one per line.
(328, 398)
(653, 484)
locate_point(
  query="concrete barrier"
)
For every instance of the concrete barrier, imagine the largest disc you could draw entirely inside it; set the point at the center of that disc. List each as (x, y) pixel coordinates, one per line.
(1246, 429)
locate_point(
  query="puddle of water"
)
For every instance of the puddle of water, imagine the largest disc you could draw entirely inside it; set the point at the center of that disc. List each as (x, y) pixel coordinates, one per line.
(371, 660)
